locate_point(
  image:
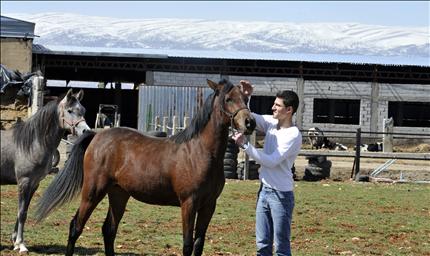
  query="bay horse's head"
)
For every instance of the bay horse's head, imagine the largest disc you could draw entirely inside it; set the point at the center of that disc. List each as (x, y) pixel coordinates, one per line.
(71, 113)
(232, 102)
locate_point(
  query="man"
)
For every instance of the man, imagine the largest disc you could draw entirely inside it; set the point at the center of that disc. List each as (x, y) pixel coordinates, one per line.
(276, 198)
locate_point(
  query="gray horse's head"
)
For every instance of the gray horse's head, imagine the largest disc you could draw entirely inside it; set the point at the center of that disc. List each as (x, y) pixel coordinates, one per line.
(72, 113)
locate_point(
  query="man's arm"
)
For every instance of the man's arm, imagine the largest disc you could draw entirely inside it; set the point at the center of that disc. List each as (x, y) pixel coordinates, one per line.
(276, 157)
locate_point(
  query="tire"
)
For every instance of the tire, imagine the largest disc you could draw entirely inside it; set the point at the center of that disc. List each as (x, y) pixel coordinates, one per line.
(55, 158)
(230, 175)
(230, 162)
(230, 172)
(314, 173)
(230, 155)
(232, 149)
(323, 165)
(253, 170)
(316, 159)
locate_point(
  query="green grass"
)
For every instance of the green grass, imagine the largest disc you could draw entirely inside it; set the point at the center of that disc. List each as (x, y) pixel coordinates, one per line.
(329, 219)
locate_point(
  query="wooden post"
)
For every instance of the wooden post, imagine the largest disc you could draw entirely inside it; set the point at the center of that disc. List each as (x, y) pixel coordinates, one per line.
(37, 96)
(174, 124)
(357, 154)
(374, 110)
(387, 139)
(186, 121)
(157, 123)
(301, 94)
(165, 121)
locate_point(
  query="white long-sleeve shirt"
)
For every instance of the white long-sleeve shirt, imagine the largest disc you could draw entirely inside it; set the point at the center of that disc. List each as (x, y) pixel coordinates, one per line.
(281, 147)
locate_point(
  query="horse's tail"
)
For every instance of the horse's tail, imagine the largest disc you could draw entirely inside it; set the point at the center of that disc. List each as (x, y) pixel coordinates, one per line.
(68, 182)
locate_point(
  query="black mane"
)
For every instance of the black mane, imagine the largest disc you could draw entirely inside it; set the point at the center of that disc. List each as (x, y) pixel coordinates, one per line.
(203, 116)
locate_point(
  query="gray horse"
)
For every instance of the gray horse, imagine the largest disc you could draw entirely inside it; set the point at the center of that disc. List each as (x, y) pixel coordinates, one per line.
(27, 151)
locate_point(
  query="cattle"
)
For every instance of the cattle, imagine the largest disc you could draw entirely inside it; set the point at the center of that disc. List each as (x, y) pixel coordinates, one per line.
(318, 140)
(316, 137)
(373, 147)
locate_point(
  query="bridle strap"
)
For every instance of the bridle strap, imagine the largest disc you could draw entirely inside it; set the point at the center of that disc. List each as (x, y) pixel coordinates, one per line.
(64, 121)
(232, 115)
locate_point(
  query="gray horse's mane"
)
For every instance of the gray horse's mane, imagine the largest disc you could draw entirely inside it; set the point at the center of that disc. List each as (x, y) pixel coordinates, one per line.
(202, 117)
(42, 126)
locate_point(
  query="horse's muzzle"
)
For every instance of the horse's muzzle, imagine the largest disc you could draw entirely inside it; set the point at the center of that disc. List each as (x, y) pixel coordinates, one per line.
(249, 125)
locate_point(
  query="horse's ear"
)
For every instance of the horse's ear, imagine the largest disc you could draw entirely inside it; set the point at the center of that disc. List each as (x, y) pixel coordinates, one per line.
(80, 95)
(212, 85)
(68, 96)
(246, 87)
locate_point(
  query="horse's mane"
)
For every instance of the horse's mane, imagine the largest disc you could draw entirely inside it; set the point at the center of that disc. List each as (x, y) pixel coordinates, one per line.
(202, 117)
(41, 127)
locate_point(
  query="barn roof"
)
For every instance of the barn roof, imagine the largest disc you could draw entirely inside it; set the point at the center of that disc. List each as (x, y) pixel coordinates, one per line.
(15, 28)
(159, 53)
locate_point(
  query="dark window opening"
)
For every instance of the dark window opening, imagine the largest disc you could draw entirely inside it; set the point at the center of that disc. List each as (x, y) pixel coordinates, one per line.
(262, 104)
(409, 114)
(336, 111)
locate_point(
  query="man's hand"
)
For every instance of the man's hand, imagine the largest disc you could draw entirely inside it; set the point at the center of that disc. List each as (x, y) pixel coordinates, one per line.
(247, 87)
(239, 139)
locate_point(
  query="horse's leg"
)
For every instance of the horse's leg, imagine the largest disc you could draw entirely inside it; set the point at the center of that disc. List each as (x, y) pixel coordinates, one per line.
(188, 217)
(118, 199)
(26, 190)
(91, 196)
(204, 216)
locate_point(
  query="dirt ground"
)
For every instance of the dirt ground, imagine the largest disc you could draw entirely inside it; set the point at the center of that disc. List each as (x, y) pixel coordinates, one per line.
(410, 170)
(407, 170)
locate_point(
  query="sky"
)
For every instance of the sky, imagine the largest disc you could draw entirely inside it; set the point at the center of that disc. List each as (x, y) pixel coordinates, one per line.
(386, 13)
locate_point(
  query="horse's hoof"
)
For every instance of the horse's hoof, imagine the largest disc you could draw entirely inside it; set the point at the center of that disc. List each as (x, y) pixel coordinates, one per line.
(22, 248)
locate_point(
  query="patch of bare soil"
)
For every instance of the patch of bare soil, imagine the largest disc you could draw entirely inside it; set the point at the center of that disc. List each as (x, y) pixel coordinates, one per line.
(342, 167)
(341, 170)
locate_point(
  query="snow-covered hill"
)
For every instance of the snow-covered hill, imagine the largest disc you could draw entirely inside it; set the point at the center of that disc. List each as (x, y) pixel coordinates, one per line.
(264, 37)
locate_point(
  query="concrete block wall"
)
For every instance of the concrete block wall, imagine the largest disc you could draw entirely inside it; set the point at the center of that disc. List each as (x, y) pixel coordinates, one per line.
(402, 92)
(268, 86)
(336, 90)
(184, 79)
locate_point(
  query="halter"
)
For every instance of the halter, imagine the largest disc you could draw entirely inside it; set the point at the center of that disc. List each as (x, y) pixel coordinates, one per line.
(71, 124)
(232, 127)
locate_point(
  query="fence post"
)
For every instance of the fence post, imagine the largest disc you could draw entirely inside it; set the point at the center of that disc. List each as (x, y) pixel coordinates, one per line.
(165, 120)
(174, 124)
(387, 139)
(186, 121)
(357, 154)
(157, 123)
(37, 97)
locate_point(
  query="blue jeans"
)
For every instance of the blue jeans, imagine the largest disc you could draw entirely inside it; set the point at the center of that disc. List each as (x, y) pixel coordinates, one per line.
(273, 221)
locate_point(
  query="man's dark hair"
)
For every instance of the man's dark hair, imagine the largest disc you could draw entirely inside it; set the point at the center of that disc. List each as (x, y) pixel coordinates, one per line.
(290, 99)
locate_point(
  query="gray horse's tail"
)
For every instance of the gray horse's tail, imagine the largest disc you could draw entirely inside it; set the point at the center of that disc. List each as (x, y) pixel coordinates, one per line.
(68, 182)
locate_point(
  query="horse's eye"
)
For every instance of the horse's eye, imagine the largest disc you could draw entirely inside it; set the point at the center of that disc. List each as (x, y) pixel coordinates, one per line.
(70, 111)
(229, 100)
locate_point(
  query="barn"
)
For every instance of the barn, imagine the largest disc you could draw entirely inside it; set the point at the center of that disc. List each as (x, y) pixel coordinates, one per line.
(335, 95)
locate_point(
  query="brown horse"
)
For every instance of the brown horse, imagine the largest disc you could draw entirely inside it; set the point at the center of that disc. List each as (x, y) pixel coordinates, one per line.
(184, 170)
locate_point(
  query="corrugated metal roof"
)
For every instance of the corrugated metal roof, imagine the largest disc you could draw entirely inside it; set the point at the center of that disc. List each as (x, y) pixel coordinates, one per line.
(15, 28)
(157, 53)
